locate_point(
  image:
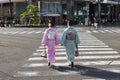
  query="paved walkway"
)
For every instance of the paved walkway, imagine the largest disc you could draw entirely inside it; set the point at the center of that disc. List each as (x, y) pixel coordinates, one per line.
(102, 62)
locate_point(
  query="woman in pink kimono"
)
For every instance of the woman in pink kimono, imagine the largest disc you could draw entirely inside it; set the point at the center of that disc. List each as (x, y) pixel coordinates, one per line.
(50, 40)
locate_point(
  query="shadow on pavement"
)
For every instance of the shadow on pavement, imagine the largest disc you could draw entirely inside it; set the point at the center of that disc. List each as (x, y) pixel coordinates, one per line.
(88, 71)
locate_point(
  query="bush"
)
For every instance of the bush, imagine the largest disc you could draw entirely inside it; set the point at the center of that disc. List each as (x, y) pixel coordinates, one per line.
(31, 25)
(31, 15)
(35, 25)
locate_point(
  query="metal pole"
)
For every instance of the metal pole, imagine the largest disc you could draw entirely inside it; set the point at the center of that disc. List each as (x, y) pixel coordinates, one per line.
(10, 9)
(99, 11)
(68, 9)
(1, 8)
(118, 15)
(39, 12)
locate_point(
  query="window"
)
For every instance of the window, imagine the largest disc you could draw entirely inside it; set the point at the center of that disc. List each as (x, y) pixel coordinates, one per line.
(51, 7)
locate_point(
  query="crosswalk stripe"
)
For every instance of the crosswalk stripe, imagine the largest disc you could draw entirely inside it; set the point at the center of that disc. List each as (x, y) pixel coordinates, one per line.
(46, 73)
(115, 62)
(91, 52)
(26, 73)
(65, 72)
(95, 31)
(81, 46)
(86, 63)
(93, 44)
(115, 31)
(82, 49)
(102, 31)
(108, 31)
(88, 31)
(15, 32)
(91, 41)
(38, 32)
(118, 31)
(20, 32)
(79, 57)
(96, 79)
(88, 53)
(30, 32)
(5, 33)
(103, 79)
(23, 32)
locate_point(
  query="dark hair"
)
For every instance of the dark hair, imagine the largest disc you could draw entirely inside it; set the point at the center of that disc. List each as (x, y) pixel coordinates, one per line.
(52, 24)
(70, 23)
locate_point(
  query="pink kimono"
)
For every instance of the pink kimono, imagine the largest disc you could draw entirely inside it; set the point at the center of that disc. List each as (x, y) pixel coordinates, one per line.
(50, 39)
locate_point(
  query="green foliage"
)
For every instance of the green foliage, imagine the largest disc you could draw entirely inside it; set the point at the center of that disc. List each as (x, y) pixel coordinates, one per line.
(31, 14)
(40, 25)
(31, 25)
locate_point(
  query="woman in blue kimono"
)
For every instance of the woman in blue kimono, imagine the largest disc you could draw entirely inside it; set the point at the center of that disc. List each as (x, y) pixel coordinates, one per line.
(70, 40)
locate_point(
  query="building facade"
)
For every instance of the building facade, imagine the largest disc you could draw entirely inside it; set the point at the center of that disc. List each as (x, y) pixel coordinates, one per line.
(11, 9)
(80, 11)
(59, 11)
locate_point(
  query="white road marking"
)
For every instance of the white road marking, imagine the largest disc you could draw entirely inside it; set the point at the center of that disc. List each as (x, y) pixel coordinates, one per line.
(79, 57)
(87, 52)
(30, 32)
(115, 31)
(65, 72)
(103, 79)
(23, 32)
(95, 31)
(102, 31)
(108, 31)
(88, 31)
(86, 63)
(81, 46)
(26, 73)
(81, 49)
(38, 32)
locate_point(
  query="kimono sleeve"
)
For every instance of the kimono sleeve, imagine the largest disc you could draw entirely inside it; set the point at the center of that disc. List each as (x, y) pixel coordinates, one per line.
(45, 38)
(63, 38)
(57, 38)
(77, 40)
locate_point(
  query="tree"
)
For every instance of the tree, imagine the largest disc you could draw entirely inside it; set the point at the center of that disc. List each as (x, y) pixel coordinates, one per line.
(31, 15)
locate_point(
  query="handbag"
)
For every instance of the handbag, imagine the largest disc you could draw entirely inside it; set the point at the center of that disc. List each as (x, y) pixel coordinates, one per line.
(44, 53)
(76, 53)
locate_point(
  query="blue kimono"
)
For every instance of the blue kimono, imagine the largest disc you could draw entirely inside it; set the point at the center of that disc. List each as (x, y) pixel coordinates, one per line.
(70, 39)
